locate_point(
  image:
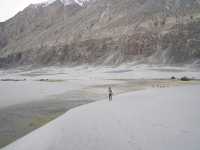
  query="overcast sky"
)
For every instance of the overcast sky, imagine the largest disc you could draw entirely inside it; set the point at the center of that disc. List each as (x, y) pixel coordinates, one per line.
(8, 8)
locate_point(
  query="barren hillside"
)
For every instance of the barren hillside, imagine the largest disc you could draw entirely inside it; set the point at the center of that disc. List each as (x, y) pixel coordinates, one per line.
(102, 32)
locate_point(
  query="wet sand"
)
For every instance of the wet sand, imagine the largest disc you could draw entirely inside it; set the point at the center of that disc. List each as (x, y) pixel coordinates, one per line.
(19, 120)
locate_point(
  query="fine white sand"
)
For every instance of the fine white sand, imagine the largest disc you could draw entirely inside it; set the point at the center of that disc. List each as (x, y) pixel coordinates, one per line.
(153, 119)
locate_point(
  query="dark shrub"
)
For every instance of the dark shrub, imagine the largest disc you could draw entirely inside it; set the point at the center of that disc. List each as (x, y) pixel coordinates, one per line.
(173, 78)
(185, 79)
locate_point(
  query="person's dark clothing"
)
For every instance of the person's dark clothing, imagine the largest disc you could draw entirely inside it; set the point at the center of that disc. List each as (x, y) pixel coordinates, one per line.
(110, 97)
(110, 94)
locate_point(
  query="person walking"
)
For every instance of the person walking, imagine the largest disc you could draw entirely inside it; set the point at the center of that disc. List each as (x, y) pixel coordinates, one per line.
(110, 93)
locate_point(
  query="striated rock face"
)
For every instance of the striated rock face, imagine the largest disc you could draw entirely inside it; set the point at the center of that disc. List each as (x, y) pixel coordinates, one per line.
(102, 32)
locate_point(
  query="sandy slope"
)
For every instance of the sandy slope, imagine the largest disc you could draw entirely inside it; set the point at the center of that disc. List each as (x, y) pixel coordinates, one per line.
(154, 119)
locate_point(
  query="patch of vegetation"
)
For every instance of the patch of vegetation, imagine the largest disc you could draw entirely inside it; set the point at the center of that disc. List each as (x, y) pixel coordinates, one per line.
(42, 120)
(6, 140)
(173, 78)
(185, 78)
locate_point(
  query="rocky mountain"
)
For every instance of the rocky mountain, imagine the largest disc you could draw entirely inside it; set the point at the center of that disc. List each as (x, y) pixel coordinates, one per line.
(102, 32)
